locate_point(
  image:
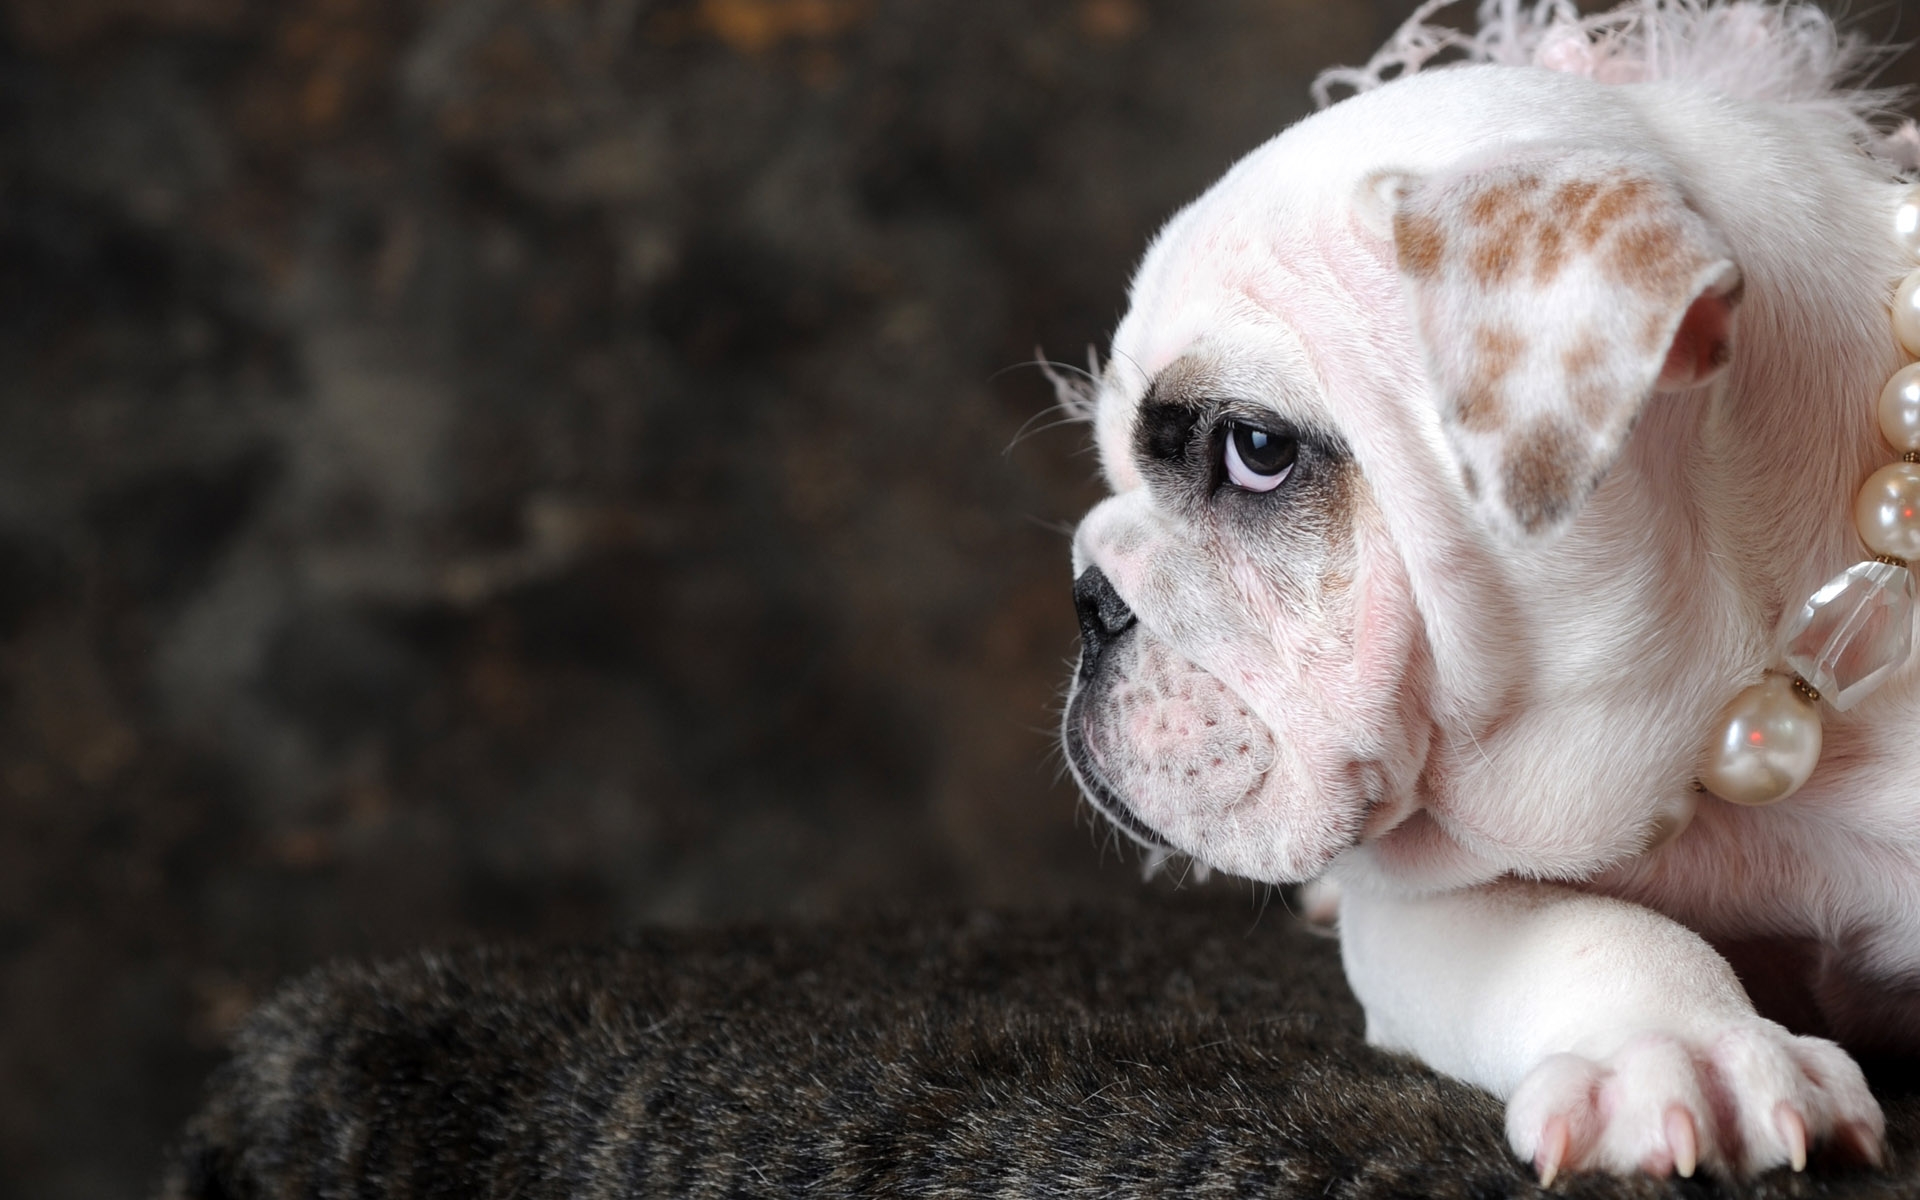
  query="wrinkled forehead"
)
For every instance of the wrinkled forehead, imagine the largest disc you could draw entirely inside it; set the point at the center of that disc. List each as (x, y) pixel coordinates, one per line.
(1270, 318)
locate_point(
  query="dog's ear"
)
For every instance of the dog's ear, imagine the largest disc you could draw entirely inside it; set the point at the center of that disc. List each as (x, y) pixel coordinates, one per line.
(1554, 292)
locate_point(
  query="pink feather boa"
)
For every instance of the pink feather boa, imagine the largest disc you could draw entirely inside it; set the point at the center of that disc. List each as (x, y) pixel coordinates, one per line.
(1789, 53)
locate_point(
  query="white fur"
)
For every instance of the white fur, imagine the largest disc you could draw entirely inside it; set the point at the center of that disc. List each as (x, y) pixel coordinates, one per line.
(1476, 731)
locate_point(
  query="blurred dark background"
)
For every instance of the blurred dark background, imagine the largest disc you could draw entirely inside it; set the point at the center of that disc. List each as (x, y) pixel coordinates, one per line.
(522, 468)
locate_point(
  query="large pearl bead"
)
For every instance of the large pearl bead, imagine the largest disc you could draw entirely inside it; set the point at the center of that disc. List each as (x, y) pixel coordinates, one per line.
(1906, 221)
(1906, 313)
(1768, 745)
(1900, 408)
(1887, 513)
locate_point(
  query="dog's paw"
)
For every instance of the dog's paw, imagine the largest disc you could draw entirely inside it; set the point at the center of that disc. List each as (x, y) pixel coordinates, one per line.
(1750, 1097)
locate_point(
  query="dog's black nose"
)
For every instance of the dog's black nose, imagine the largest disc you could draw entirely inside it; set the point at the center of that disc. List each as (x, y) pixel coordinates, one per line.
(1104, 616)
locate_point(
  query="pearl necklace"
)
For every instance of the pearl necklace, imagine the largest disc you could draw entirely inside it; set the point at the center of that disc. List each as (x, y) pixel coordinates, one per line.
(1857, 630)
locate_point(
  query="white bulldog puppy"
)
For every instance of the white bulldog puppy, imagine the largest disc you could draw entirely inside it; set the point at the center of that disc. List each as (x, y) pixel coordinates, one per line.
(1471, 443)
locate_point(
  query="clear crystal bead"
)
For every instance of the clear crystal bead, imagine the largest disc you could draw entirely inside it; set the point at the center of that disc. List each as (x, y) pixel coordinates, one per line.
(1854, 632)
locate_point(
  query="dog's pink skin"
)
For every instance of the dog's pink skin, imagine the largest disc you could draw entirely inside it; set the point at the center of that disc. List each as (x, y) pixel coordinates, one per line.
(1593, 663)
(1532, 701)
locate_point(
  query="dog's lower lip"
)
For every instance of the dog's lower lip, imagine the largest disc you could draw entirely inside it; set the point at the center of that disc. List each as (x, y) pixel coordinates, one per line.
(1083, 762)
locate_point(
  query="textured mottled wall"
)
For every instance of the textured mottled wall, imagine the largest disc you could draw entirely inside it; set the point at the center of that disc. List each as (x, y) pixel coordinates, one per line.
(525, 467)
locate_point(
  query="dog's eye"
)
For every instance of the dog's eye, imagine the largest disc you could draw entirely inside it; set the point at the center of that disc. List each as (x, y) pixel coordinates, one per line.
(1258, 460)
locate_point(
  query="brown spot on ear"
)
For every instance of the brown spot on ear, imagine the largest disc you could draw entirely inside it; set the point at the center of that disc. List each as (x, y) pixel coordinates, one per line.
(1495, 204)
(1499, 348)
(1549, 253)
(1540, 474)
(1571, 199)
(1419, 244)
(1506, 218)
(1480, 405)
(1593, 400)
(1494, 259)
(1616, 203)
(1590, 397)
(1584, 356)
(1648, 258)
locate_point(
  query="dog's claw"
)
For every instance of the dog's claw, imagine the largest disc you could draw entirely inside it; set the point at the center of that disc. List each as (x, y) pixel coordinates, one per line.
(1750, 1098)
(1553, 1149)
(1684, 1140)
(1793, 1131)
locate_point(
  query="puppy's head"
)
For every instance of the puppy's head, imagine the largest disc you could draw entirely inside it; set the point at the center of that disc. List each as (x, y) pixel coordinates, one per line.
(1363, 393)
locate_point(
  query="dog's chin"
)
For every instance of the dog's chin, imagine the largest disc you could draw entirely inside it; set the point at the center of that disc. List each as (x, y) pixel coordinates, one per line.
(1275, 854)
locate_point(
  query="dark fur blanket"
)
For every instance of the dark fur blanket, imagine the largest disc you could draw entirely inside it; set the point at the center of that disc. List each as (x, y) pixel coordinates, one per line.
(1179, 1049)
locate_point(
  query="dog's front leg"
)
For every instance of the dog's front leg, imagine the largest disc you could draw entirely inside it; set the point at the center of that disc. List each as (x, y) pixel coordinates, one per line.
(1619, 1039)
